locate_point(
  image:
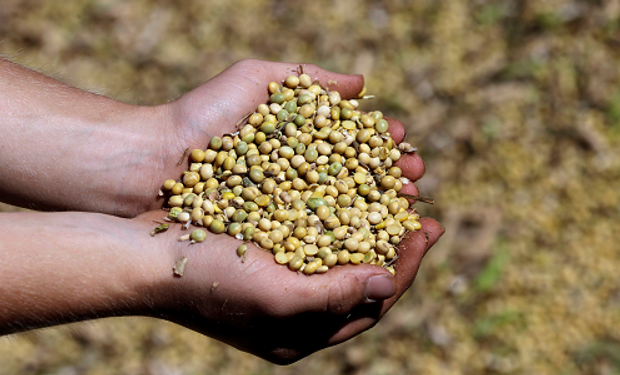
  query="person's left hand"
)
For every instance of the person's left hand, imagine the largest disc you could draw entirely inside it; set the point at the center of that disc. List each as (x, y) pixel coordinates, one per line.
(213, 109)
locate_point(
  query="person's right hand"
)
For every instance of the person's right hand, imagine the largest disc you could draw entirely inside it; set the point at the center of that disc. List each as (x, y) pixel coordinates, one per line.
(265, 308)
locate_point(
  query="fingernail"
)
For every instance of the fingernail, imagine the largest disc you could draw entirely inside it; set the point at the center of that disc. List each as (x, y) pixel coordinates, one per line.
(380, 287)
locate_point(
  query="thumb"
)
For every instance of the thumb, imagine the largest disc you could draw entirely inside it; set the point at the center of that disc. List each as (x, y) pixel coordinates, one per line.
(343, 288)
(239, 89)
(257, 74)
(215, 107)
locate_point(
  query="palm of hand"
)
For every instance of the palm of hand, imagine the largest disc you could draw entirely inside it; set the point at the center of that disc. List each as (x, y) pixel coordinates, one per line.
(216, 107)
(264, 308)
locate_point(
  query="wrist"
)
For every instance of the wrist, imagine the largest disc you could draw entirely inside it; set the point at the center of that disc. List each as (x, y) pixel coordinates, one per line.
(67, 149)
(64, 267)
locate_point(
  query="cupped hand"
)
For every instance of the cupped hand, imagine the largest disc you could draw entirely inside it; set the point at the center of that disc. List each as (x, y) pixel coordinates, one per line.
(216, 107)
(268, 310)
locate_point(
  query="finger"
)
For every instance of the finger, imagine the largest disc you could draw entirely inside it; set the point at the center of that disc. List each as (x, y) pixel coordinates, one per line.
(410, 189)
(349, 86)
(341, 289)
(344, 295)
(411, 250)
(354, 299)
(239, 90)
(396, 129)
(360, 319)
(260, 73)
(412, 165)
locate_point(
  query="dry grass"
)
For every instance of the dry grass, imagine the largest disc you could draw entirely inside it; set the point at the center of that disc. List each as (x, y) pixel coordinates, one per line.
(515, 106)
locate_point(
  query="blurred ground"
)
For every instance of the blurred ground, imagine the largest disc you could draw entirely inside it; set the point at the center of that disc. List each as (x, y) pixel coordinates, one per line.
(515, 106)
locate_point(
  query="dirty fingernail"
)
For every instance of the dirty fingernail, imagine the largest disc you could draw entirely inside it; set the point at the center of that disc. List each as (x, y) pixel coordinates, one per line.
(380, 287)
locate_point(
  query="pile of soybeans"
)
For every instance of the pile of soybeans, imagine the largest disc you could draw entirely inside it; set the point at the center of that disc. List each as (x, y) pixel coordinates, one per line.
(307, 177)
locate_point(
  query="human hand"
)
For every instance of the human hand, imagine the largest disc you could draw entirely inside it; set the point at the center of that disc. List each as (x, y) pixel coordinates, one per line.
(282, 316)
(216, 107)
(77, 266)
(78, 151)
(265, 309)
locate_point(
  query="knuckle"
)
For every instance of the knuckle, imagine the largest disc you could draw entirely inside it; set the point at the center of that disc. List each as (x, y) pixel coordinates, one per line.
(341, 297)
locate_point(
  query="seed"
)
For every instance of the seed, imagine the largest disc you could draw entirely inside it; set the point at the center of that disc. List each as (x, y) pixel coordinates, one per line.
(388, 182)
(381, 126)
(311, 250)
(264, 224)
(369, 257)
(358, 236)
(295, 263)
(234, 181)
(312, 177)
(197, 214)
(412, 225)
(322, 212)
(363, 189)
(169, 184)
(281, 258)
(242, 249)
(276, 236)
(374, 218)
(395, 172)
(273, 87)
(267, 127)
(324, 148)
(175, 201)
(234, 229)
(190, 179)
(356, 258)
(215, 143)
(286, 152)
(394, 154)
(291, 81)
(266, 243)
(281, 215)
(160, 228)
(300, 232)
(351, 244)
(364, 247)
(314, 203)
(383, 247)
(343, 257)
(306, 110)
(179, 266)
(255, 119)
(229, 162)
(248, 233)
(217, 226)
(241, 148)
(198, 235)
(334, 169)
(268, 186)
(312, 267)
(359, 177)
(304, 80)
(393, 230)
(256, 175)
